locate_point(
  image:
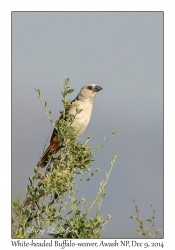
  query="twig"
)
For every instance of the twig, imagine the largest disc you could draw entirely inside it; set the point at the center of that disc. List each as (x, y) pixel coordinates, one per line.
(34, 215)
(40, 182)
(154, 225)
(44, 106)
(17, 227)
(137, 218)
(31, 184)
(104, 184)
(15, 219)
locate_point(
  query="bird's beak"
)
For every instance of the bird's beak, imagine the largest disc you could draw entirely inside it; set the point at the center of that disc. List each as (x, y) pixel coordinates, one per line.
(97, 88)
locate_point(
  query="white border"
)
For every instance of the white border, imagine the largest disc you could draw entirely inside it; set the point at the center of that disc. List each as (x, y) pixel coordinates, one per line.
(5, 92)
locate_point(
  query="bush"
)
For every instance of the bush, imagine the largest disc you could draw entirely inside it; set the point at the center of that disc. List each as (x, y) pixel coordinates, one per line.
(51, 197)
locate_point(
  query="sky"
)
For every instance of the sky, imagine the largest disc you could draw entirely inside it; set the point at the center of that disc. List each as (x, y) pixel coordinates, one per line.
(123, 53)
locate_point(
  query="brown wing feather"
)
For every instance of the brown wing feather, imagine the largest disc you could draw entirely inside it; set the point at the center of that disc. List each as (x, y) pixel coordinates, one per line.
(43, 160)
(53, 145)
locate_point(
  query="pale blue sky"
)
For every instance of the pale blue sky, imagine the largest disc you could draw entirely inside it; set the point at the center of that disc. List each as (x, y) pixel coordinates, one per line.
(123, 53)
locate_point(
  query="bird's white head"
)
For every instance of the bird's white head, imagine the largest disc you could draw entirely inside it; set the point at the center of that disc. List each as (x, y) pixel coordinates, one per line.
(89, 91)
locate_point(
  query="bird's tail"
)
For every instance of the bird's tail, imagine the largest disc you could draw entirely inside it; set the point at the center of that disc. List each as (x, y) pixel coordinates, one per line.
(43, 160)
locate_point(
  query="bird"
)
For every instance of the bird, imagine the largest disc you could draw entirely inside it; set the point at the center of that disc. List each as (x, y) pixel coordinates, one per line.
(84, 102)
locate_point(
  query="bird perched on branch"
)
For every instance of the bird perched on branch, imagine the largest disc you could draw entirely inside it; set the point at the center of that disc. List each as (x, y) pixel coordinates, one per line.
(84, 102)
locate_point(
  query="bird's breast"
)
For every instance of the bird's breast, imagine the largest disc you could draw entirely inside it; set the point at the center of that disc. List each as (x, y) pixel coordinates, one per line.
(82, 119)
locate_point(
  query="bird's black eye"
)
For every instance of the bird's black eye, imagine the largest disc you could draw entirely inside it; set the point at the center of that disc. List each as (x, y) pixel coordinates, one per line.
(89, 87)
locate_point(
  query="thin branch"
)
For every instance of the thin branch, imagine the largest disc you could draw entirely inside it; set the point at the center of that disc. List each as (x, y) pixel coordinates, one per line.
(31, 184)
(154, 225)
(104, 184)
(15, 219)
(34, 215)
(17, 227)
(137, 218)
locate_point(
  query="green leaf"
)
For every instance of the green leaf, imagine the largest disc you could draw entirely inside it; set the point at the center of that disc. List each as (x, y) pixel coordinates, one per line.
(35, 198)
(21, 236)
(78, 111)
(27, 188)
(87, 162)
(70, 91)
(98, 224)
(149, 233)
(109, 217)
(70, 136)
(69, 212)
(24, 216)
(54, 156)
(149, 220)
(66, 80)
(97, 170)
(27, 213)
(83, 200)
(38, 91)
(113, 132)
(160, 230)
(137, 229)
